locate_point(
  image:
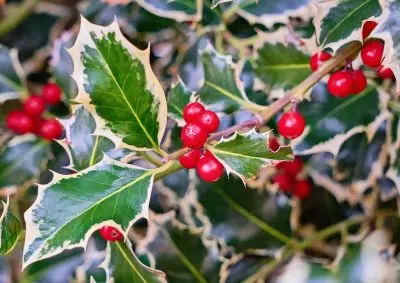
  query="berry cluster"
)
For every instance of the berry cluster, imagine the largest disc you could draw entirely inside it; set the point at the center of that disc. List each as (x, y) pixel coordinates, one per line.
(287, 177)
(345, 82)
(110, 234)
(29, 120)
(199, 124)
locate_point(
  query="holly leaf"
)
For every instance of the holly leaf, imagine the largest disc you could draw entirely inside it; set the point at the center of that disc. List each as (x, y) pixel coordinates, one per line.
(188, 258)
(179, 10)
(331, 120)
(245, 154)
(83, 203)
(178, 97)
(280, 65)
(339, 22)
(61, 65)
(228, 208)
(85, 149)
(126, 267)
(116, 83)
(222, 90)
(22, 159)
(271, 12)
(215, 3)
(12, 77)
(10, 229)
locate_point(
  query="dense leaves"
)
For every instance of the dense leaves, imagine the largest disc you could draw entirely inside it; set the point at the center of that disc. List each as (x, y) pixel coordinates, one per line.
(12, 80)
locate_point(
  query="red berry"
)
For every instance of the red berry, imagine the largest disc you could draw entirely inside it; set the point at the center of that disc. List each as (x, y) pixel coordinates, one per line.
(19, 122)
(193, 136)
(52, 93)
(291, 168)
(273, 144)
(372, 52)
(209, 121)
(340, 84)
(291, 124)
(384, 73)
(302, 189)
(110, 234)
(284, 181)
(368, 27)
(318, 59)
(209, 168)
(34, 105)
(190, 159)
(50, 129)
(359, 81)
(192, 112)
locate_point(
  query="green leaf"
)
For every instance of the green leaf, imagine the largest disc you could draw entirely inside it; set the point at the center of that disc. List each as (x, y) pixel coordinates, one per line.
(181, 252)
(270, 12)
(70, 208)
(61, 65)
(282, 66)
(84, 148)
(343, 21)
(116, 83)
(331, 120)
(245, 154)
(179, 10)
(178, 97)
(12, 78)
(10, 229)
(22, 159)
(232, 209)
(222, 89)
(126, 267)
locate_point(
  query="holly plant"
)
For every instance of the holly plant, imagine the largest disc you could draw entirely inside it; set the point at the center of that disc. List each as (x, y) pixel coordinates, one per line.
(199, 141)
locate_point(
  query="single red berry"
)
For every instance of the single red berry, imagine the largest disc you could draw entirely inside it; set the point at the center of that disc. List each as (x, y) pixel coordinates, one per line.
(318, 59)
(208, 121)
(209, 168)
(284, 181)
(340, 84)
(190, 159)
(384, 73)
(111, 234)
(372, 52)
(359, 81)
(291, 124)
(19, 122)
(51, 93)
(291, 168)
(50, 129)
(193, 136)
(273, 144)
(302, 189)
(34, 105)
(368, 27)
(192, 112)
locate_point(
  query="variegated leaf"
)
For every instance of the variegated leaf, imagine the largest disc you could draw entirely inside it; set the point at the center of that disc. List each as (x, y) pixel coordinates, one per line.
(124, 266)
(70, 208)
(339, 22)
(179, 10)
(331, 120)
(222, 90)
(117, 85)
(12, 77)
(245, 154)
(178, 97)
(22, 159)
(84, 148)
(10, 229)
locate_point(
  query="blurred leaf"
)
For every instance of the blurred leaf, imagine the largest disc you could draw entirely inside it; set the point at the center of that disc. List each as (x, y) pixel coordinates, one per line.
(11, 229)
(12, 77)
(282, 66)
(23, 159)
(245, 154)
(178, 96)
(180, 251)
